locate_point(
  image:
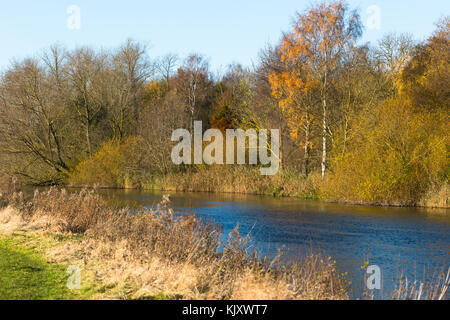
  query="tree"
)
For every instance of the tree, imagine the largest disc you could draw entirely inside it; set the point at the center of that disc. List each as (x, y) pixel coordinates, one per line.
(426, 76)
(396, 159)
(85, 71)
(358, 86)
(131, 69)
(265, 110)
(295, 92)
(124, 87)
(194, 85)
(233, 99)
(316, 44)
(165, 66)
(33, 127)
(393, 53)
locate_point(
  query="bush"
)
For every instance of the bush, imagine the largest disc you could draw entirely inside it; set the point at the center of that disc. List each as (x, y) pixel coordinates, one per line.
(398, 157)
(116, 164)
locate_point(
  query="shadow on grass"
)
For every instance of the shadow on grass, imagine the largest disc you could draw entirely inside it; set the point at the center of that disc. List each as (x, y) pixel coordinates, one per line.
(25, 275)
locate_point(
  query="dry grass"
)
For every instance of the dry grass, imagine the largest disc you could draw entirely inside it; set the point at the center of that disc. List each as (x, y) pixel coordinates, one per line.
(242, 179)
(152, 251)
(10, 221)
(437, 197)
(435, 289)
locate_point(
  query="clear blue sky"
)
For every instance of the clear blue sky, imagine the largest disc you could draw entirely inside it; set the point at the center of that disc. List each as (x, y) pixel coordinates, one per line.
(225, 31)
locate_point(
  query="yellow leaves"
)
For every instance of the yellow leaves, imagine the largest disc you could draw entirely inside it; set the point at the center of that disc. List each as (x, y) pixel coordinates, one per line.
(154, 90)
(320, 33)
(424, 78)
(275, 83)
(109, 165)
(313, 46)
(401, 156)
(294, 133)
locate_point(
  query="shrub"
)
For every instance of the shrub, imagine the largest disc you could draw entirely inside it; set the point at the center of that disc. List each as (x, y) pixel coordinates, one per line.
(116, 164)
(396, 159)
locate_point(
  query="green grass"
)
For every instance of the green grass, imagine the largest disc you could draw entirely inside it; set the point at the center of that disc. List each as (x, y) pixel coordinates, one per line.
(26, 275)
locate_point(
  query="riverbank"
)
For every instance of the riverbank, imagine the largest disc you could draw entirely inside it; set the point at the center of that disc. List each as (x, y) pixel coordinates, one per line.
(243, 180)
(246, 180)
(153, 254)
(37, 265)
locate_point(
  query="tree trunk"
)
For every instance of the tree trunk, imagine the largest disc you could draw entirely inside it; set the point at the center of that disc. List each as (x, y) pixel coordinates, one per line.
(306, 150)
(192, 120)
(324, 138)
(88, 138)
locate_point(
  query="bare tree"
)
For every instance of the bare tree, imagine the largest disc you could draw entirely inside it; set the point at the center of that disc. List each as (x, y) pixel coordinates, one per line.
(393, 53)
(193, 76)
(33, 124)
(132, 63)
(85, 71)
(165, 67)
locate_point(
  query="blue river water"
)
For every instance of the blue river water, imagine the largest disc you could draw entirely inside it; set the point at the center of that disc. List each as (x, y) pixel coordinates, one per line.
(409, 241)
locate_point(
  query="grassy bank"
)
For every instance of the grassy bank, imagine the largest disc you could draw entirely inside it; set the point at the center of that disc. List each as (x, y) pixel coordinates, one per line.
(36, 265)
(230, 179)
(26, 273)
(287, 183)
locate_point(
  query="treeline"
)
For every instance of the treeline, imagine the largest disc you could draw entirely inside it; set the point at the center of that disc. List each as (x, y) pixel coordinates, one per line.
(371, 120)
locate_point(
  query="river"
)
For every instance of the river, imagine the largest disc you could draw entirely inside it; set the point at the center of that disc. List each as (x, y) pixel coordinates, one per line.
(412, 241)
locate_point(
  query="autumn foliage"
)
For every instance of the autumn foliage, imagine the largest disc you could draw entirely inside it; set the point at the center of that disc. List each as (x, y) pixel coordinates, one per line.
(370, 119)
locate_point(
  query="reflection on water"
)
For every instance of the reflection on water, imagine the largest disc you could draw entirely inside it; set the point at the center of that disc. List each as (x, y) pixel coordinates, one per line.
(398, 240)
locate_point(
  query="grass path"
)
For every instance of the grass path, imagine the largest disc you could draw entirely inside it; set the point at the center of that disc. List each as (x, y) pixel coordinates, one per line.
(26, 274)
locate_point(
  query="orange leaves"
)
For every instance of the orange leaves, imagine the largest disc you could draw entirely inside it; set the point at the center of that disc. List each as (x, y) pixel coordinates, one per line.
(320, 34)
(290, 89)
(309, 52)
(275, 82)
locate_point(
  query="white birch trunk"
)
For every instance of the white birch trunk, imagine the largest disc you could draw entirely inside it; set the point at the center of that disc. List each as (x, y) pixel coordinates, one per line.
(324, 138)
